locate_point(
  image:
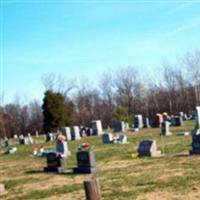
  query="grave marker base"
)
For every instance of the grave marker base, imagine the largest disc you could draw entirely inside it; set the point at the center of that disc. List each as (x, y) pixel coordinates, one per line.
(85, 170)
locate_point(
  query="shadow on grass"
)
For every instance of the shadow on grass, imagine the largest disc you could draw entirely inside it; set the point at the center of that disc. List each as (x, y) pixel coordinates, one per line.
(69, 172)
(183, 155)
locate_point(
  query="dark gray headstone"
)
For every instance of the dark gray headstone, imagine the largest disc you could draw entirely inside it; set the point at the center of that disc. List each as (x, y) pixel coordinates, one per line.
(196, 134)
(54, 163)
(119, 126)
(148, 148)
(86, 162)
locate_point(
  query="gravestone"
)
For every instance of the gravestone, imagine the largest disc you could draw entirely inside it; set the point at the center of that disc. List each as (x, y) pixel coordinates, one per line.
(158, 120)
(36, 133)
(122, 139)
(66, 131)
(96, 127)
(165, 128)
(148, 148)
(146, 122)
(6, 142)
(107, 138)
(88, 131)
(196, 134)
(165, 116)
(83, 131)
(127, 126)
(62, 148)
(181, 114)
(30, 139)
(15, 136)
(10, 150)
(177, 121)
(75, 134)
(23, 140)
(49, 137)
(85, 162)
(54, 163)
(119, 126)
(138, 122)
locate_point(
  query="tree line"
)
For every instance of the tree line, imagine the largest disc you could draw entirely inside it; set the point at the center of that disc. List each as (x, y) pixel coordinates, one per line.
(118, 95)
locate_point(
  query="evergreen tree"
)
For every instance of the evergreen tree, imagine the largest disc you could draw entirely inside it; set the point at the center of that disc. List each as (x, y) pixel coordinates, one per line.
(57, 111)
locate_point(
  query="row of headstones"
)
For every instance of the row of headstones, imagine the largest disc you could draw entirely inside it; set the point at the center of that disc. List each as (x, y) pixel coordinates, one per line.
(56, 161)
(86, 161)
(76, 132)
(140, 123)
(149, 147)
(22, 140)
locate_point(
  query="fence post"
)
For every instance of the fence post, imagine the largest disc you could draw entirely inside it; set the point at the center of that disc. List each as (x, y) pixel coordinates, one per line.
(92, 190)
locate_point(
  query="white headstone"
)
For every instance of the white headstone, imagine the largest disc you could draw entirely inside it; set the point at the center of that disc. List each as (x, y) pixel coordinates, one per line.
(36, 134)
(96, 127)
(198, 117)
(138, 121)
(165, 128)
(76, 133)
(15, 136)
(66, 131)
(30, 139)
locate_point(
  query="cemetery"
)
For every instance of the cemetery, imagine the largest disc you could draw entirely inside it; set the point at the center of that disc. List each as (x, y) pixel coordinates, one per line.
(99, 100)
(166, 164)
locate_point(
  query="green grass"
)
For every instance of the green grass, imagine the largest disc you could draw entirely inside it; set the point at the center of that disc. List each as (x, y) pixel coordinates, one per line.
(120, 176)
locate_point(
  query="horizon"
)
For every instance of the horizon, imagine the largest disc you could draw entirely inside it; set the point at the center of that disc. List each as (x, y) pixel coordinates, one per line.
(85, 39)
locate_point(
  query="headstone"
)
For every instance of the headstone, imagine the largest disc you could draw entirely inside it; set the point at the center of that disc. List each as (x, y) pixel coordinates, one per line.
(197, 117)
(119, 126)
(2, 189)
(158, 120)
(88, 131)
(66, 131)
(75, 135)
(177, 121)
(36, 133)
(193, 117)
(138, 122)
(146, 122)
(148, 148)
(30, 139)
(15, 136)
(181, 114)
(165, 116)
(62, 147)
(49, 137)
(107, 138)
(54, 163)
(6, 142)
(86, 162)
(127, 126)
(10, 150)
(122, 139)
(165, 128)
(96, 127)
(83, 131)
(196, 134)
(23, 140)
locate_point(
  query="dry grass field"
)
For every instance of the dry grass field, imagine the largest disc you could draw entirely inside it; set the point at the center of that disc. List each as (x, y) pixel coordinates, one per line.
(174, 176)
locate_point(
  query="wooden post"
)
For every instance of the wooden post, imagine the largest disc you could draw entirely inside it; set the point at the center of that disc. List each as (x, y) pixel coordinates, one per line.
(92, 191)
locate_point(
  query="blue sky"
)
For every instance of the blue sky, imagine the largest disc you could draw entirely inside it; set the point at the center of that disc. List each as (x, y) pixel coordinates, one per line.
(85, 38)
